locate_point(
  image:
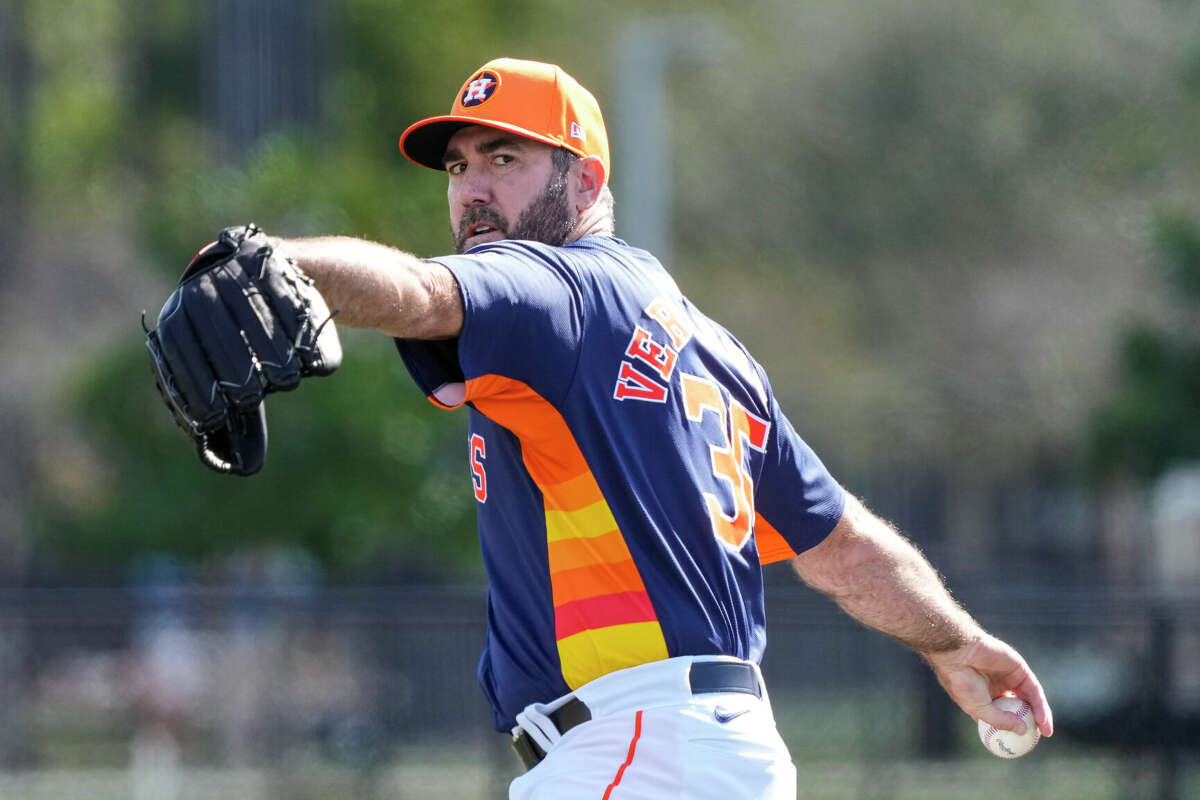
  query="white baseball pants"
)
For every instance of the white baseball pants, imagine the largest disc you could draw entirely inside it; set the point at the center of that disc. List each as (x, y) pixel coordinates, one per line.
(651, 738)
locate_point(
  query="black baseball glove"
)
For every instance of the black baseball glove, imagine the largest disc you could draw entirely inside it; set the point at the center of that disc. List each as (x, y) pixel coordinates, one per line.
(242, 323)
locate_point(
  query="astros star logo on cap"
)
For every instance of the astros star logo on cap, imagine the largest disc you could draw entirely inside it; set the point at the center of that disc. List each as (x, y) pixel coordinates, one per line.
(479, 88)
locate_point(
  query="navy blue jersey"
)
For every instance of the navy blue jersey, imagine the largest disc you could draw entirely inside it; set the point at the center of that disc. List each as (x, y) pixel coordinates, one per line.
(631, 466)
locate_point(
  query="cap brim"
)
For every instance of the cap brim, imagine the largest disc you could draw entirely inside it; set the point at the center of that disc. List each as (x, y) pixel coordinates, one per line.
(425, 142)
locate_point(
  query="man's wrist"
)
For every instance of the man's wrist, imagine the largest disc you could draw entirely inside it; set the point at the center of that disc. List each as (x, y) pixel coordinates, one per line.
(956, 645)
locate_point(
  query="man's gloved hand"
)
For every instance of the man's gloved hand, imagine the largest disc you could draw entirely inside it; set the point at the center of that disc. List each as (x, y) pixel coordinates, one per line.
(242, 323)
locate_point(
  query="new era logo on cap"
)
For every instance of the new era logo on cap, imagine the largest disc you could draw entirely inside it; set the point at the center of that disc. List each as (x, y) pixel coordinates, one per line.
(479, 89)
(577, 132)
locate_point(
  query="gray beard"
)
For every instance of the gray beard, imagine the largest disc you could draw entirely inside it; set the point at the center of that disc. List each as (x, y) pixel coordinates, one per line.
(549, 219)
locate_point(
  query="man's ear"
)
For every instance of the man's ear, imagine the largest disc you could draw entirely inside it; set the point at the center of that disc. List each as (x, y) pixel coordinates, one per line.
(589, 176)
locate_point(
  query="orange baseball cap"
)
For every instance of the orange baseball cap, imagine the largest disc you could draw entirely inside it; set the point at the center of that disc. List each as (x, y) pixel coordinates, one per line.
(529, 98)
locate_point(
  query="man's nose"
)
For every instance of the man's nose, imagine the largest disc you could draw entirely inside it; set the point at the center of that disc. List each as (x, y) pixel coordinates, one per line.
(476, 190)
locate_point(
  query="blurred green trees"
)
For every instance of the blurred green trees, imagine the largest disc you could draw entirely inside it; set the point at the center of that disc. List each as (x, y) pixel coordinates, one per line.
(923, 218)
(1152, 418)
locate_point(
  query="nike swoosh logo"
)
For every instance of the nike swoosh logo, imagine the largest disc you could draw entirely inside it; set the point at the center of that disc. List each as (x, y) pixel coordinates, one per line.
(722, 716)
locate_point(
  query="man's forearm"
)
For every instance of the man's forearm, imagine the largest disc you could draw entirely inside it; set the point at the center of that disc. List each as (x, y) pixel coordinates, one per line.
(378, 287)
(878, 577)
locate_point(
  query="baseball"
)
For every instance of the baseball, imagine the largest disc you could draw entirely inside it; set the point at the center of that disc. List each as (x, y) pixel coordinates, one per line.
(1007, 744)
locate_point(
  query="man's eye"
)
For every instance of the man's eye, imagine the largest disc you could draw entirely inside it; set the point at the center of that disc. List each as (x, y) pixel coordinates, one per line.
(456, 169)
(500, 159)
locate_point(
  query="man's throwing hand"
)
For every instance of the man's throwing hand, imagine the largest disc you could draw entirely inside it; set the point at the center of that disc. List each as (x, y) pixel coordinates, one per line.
(984, 669)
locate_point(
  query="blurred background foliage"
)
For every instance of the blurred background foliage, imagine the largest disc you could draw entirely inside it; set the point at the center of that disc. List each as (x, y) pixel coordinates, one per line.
(1151, 419)
(962, 239)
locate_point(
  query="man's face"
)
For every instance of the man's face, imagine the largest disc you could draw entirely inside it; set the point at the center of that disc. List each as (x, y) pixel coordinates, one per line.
(504, 186)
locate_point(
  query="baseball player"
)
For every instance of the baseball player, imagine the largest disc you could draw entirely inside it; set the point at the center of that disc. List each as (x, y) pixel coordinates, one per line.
(631, 467)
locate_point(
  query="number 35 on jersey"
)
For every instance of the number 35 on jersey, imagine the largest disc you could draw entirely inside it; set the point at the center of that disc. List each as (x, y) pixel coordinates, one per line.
(646, 374)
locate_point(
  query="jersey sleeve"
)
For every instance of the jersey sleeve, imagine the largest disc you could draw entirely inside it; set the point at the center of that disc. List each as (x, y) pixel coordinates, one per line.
(522, 321)
(797, 500)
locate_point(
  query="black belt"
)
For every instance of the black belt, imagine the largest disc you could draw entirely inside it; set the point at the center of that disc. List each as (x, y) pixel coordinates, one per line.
(705, 677)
